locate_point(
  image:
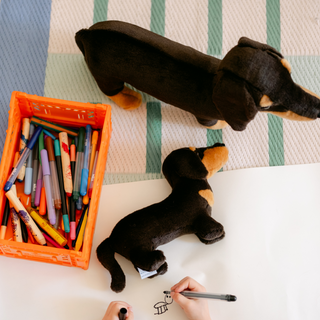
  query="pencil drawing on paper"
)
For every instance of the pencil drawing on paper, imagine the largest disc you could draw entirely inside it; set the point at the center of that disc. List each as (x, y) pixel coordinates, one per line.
(161, 306)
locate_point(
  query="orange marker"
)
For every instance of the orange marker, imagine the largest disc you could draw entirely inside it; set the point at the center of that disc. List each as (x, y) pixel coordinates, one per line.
(43, 202)
(65, 159)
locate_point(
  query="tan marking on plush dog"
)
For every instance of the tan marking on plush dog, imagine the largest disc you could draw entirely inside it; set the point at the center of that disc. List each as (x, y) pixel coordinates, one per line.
(219, 125)
(290, 116)
(214, 159)
(310, 92)
(192, 149)
(208, 195)
(127, 99)
(265, 101)
(286, 64)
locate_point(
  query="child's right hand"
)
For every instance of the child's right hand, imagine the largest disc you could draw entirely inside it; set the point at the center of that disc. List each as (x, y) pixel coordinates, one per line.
(113, 310)
(195, 309)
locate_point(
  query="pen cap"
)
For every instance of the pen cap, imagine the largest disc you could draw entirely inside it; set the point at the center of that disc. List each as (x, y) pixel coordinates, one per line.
(34, 138)
(49, 145)
(82, 132)
(45, 162)
(57, 150)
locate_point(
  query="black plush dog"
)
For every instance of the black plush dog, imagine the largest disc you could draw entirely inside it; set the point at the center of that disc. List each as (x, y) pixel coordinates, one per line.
(252, 77)
(186, 210)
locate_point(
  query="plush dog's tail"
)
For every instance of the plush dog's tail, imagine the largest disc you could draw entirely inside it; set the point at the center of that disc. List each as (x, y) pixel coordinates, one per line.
(105, 254)
(79, 36)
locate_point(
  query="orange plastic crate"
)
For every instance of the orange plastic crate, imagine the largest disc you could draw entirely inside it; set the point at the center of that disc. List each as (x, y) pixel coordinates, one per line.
(69, 113)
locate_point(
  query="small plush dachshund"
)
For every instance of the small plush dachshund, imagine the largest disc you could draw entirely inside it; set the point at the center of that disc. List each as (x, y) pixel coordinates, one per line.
(252, 77)
(186, 210)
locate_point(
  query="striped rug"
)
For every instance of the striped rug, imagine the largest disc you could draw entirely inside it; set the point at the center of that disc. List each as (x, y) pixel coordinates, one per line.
(38, 55)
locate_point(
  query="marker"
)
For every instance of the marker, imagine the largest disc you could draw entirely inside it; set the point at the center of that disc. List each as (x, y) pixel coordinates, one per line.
(36, 233)
(81, 227)
(4, 222)
(24, 231)
(23, 142)
(60, 176)
(65, 157)
(15, 220)
(122, 313)
(204, 295)
(71, 202)
(22, 159)
(94, 167)
(85, 169)
(47, 186)
(94, 142)
(35, 158)
(43, 202)
(54, 174)
(79, 164)
(53, 126)
(29, 168)
(38, 186)
(44, 225)
(49, 134)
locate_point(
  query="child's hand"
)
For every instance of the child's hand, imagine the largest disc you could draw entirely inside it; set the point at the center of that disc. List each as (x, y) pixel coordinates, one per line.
(113, 310)
(195, 309)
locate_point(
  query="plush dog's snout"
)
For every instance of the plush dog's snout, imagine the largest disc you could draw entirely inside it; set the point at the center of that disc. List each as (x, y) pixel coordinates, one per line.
(318, 116)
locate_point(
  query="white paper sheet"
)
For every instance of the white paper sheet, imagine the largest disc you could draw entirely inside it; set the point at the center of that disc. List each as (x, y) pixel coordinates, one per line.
(269, 259)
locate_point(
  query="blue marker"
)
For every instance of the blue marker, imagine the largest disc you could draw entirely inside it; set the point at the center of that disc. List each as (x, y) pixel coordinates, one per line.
(49, 134)
(22, 159)
(29, 168)
(85, 169)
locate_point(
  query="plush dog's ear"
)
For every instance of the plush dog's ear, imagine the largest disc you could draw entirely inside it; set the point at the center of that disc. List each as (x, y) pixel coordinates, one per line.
(232, 98)
(183, 163)
(246, 42)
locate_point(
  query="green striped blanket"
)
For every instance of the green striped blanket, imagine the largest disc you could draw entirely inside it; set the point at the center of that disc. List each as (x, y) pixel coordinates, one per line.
(142, 138)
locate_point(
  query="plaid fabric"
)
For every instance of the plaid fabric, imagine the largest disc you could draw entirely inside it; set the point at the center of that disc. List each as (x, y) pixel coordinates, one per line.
(38, 55)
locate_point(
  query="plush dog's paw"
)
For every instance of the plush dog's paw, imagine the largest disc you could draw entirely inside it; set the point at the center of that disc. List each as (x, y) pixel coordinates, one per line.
(213, 235)
(219, 125)
(127, 99)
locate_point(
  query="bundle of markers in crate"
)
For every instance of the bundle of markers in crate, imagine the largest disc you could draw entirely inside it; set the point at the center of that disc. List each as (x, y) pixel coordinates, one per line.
(56, 166)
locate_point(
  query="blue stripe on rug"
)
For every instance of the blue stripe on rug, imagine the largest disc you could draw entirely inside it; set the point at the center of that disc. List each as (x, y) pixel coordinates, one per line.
(24, 39)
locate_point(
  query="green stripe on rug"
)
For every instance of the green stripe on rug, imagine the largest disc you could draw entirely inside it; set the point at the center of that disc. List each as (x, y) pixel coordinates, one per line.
(275, 124)
(100, 10)
(154, 130)
(214, 48)
(154, 118)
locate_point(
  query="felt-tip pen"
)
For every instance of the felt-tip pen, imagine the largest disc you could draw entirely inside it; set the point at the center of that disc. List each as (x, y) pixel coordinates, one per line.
(22, 159)
(85, 168)
(122, 313)
(205, 295)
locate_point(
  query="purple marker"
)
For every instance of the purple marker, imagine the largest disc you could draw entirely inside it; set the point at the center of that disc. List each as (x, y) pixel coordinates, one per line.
(47, 186)
(38, 186)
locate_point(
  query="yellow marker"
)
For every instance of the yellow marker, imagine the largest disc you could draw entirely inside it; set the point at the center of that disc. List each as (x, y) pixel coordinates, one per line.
(52, 232)
(94, 142)
(36, 233)
(23, 142)
(16, 225)
(79, 240)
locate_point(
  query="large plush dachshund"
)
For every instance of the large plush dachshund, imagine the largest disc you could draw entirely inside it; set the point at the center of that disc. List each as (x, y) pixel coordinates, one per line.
(186, 210)
(252, 77)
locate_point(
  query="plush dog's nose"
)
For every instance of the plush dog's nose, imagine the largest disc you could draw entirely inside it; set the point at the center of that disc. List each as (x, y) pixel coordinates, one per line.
(318, 115)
